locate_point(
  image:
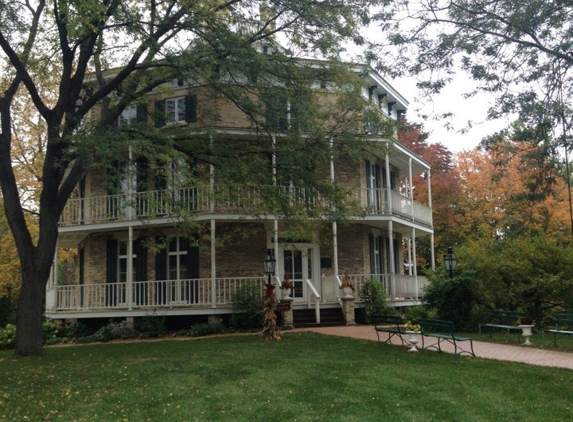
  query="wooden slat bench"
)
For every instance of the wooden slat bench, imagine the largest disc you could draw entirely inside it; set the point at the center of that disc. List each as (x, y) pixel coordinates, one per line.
(505, 321)
(563, 327)
(443, 331)
(391, 324)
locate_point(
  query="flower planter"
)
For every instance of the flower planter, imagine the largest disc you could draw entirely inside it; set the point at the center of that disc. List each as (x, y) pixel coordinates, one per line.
(285, 293)
(413, 340)
(347, 292)
(526, 333)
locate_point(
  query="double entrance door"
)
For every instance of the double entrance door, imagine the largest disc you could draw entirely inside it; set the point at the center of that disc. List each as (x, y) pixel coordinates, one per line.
(299, 262)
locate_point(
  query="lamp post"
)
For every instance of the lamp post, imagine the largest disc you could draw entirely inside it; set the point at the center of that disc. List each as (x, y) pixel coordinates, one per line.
(269, 264)
(450, 261)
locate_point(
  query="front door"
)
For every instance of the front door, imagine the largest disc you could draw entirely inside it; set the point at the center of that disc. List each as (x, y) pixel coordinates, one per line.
(296, 261)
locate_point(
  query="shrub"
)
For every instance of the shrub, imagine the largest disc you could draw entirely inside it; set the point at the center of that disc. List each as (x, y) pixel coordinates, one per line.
(7, 336)
(76, 330)
(247, 306)
(374, 300)
(454, 299)
(51, 330)
(152, 326)
(112, 331)
(203, 329)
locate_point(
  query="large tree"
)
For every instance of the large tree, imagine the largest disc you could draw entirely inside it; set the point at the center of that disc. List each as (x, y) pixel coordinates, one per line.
(519, 51)
(110, 53)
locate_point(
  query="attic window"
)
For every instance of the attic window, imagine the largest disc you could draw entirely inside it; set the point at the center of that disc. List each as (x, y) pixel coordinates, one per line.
(391, 105)
(371, 90)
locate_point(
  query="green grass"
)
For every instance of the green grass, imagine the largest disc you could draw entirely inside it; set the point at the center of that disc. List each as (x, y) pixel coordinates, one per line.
(303, 377)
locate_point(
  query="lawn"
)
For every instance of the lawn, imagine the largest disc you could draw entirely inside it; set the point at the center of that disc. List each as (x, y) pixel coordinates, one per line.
(303, 377)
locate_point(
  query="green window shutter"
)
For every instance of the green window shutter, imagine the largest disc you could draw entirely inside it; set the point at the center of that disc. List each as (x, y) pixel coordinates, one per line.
(160, 119)
(141, 113)
(190, 108)
(111, 261)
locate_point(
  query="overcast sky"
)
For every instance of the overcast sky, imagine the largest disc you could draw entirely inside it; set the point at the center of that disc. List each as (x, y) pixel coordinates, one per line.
(463, 109)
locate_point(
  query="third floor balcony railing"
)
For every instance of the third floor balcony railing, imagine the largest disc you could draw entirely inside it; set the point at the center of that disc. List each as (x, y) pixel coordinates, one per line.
(170, 203)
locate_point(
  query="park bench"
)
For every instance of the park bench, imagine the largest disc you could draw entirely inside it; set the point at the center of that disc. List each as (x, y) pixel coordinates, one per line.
(391, 324)
(563, 327)
(505, 321)
(443, 331)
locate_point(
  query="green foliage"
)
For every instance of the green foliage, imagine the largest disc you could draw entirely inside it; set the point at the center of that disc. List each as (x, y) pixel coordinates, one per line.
(417, 312)
(7, 311)
(200, 330)
(76, 330)
(247, 305)
(454, 299)
(7, 336)
(152, 326)
(112, 331)
(529, 273)
(374, 300)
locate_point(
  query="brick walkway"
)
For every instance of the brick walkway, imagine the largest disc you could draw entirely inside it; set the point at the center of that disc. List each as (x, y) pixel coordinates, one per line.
(515, 353)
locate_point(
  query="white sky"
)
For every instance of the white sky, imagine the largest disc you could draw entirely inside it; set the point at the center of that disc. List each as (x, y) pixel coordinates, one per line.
(451, 100)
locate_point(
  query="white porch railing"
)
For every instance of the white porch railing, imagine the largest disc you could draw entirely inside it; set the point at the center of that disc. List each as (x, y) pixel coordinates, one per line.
(174, 202)
(377, 202)
(198, 293)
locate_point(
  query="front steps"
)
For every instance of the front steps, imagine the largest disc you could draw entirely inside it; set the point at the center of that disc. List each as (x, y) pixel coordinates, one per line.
(328, 317)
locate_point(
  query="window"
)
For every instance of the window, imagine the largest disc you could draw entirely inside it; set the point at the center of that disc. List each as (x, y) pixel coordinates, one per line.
(284, 114)
(176, 110)
(132, 115)
(128, 117)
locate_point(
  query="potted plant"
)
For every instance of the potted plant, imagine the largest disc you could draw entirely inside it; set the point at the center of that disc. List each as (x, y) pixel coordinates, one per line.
(526, 324)
(286, 288)
(347, 286)
(412, 328)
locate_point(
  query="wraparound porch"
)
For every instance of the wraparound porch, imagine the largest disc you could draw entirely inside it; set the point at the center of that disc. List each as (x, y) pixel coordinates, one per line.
(205, 296)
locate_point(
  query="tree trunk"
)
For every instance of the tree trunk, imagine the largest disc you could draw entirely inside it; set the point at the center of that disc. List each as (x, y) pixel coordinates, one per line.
(29, 338)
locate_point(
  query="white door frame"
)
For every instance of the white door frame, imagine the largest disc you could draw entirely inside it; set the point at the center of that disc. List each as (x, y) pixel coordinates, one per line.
(312, 273)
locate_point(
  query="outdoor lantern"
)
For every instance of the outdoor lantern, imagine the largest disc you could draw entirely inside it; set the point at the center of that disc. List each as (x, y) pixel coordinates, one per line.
(450, 261)
(269, 264)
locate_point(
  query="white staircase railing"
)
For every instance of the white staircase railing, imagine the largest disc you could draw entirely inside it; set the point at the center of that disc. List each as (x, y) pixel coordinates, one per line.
(316, 295)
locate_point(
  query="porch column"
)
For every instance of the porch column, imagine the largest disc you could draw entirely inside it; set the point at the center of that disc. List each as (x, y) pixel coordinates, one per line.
(391, 266)
(433, 258)
(213, 237)
(213, 266)
(334, 224)
(130, 213)
(51, 287)
(413, 265)
(129, 284)
(411, 188)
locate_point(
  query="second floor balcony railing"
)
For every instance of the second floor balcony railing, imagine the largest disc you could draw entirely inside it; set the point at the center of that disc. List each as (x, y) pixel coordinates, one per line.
(170, 203)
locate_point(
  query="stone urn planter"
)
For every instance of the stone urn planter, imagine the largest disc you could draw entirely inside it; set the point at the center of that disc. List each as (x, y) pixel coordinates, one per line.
(285, 293)
(413, 339)
(526, 333)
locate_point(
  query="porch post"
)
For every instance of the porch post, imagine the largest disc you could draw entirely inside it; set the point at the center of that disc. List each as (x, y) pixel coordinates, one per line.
(213, 237)
(334, 224)
(391, 266)
(413, 263)
(433, 258)
(129, 284)
(130, 213)
(213, 266)
(411, 188)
